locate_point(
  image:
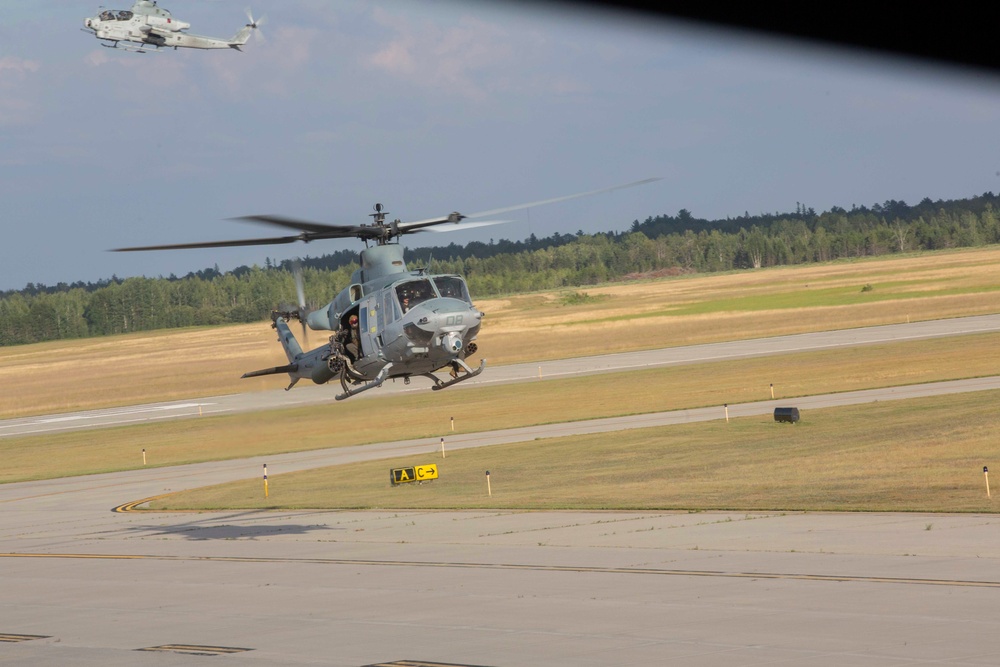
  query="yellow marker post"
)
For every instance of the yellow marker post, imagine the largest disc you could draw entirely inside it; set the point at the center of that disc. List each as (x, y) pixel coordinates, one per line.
(489, 491)
(986, 474)
(265, 480)
(442, 448)
(772, 391)
(143, 456)
(452, 423)
(726, 406)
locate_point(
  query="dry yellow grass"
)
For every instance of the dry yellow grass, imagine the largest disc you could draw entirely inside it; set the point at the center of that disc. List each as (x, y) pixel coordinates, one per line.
(62, 376)
(921, 455)
(427, 414)
(120, 370)
(826, 467)
(742, 305)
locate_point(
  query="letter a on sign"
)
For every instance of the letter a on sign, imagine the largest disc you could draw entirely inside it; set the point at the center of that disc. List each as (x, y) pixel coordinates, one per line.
(400, 475)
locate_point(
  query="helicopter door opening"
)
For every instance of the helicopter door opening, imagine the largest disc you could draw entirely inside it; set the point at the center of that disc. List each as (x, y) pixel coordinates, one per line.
(368, 320)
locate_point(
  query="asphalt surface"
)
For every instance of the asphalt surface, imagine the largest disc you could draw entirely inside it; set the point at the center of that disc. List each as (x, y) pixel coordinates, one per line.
(84, 585)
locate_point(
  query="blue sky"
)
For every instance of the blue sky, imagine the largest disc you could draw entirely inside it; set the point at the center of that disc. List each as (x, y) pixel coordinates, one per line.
(435, 106)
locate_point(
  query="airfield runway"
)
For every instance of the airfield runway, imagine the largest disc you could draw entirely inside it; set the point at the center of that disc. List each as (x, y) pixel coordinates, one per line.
(84, 585)
(309, 394)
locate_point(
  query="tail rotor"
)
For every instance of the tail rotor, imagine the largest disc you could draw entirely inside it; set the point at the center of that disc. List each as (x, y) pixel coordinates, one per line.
(255, 24)
(301, 294)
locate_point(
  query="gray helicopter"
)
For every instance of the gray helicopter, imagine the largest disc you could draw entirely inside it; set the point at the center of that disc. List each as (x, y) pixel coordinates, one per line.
(390, 322)
(149, 25)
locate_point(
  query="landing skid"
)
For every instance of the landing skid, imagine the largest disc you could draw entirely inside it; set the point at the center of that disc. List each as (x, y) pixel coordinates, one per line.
(469, 373)
(377, 382)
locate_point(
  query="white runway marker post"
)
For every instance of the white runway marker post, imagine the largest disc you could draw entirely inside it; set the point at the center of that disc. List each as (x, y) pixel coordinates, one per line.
(772, 391)
(726, 406)
(489, 490)
(986, 474)
(442, 448)
(143, 456)
(452, 424)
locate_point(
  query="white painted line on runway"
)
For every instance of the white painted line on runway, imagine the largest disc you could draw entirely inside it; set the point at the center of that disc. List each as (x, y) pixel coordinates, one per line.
(116, 413)
(109, 414)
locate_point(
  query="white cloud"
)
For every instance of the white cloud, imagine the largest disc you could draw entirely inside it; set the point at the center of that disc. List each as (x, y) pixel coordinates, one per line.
(16, 104)
(12, 68)
(467, 59)
(268, 66)
(97, 57)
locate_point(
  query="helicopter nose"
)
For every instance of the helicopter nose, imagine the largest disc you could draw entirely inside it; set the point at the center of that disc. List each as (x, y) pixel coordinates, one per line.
(446, 321)
(86, 23)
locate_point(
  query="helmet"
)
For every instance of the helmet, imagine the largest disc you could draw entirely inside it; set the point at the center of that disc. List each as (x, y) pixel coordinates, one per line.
(354, 319)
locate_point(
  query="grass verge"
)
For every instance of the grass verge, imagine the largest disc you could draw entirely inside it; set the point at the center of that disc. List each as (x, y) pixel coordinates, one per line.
(428, 414)
(921, 455)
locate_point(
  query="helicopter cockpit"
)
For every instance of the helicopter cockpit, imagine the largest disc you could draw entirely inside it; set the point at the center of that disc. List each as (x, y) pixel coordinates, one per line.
(122, 15)
(452, 287)
(414, 292)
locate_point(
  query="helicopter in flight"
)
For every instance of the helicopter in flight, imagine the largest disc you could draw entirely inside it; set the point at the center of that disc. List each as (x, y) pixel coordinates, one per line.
(149, 25)
(390, 322)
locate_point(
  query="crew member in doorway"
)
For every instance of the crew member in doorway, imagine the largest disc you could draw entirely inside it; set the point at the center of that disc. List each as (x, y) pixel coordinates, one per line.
(354, 344)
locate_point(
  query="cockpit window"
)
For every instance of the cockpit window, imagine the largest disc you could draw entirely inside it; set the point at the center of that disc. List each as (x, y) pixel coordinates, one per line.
(452, 287)
(124, 15)
(413, 292)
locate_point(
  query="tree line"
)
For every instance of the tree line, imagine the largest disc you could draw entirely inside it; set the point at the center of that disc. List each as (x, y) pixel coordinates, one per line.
(679, 243)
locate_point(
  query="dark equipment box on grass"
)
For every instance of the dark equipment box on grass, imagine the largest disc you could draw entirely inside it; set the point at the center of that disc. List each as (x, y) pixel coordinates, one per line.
(790, 415)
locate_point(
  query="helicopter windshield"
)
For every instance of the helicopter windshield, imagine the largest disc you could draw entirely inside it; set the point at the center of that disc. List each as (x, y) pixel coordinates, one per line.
(413, 292)
(118, 15)
(452, 287)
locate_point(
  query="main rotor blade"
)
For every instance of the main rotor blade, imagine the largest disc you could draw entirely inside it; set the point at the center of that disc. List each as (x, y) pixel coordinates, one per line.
(456, 218)
(313, 231)
(316, 230)
(461, 226)
(213, 244)
(291, 223)
(419, 225)
(518, 207)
